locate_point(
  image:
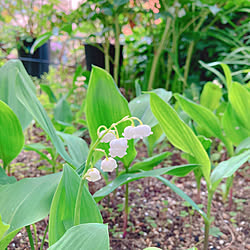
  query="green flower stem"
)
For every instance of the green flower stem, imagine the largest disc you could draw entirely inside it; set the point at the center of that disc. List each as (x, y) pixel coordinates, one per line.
(125, 218)
(44, 236)
(93, 147)
(35, 234)
(30, 237)
(208, 222)
(158, 54)
(106, 53)
(117, 49)
(191, 48)
(78, 203)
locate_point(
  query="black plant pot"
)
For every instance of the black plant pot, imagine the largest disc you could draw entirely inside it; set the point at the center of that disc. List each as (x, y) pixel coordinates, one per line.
(38, 63)
(94, 56)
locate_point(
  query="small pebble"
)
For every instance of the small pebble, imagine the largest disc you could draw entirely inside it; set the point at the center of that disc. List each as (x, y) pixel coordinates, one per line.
(221, 242)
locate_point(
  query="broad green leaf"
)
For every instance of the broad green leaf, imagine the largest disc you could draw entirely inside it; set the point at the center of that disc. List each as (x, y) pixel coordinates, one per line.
(201, 115)
(205, 118)
(182, 195)
(78, 148)
(210, 96)
(41, 40)
(154, 139)
(140, 106)
(63, 206)
(228, 75)
(29, 203)
(126, 178)
(243, 145)
(239, 98)
(179, 134)
(227, 168)
(26, 96)
(3, 227)
(62, 111)
(149, 163)
(46, 88)
(5, 179)
(90, 236)
(8, 91)
(105, 105)
(11, 134)
(232, 127)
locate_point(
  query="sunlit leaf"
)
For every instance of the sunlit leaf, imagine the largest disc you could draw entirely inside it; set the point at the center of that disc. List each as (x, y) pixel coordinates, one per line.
(63, 206)
(11, 134)
(84, 237)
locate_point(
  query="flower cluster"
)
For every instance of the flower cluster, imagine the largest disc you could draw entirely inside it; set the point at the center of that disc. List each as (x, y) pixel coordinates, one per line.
(117, 146)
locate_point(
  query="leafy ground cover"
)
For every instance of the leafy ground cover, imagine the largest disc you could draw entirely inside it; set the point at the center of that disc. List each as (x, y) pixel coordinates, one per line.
(158, 217)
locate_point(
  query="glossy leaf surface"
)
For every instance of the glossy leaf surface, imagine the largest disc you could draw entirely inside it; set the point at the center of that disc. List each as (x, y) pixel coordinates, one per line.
(179, 134)
(63, 206)
(26, 202)
(11, 134)
(84, 237)
(105, 105)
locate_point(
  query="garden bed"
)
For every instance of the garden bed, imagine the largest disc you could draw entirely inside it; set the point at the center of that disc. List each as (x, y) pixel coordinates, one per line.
(158, 217)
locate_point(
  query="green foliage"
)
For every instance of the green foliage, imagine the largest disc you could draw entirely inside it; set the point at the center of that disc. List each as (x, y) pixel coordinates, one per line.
(179, 134)
(105, 105)
(29, 203)
(210, 96)
(84, 236)
(181, 170)
(63, 206)
(8, 91)
(149, 163)
(26, 96)
(11, 137)
(227, 168)
(5, 179)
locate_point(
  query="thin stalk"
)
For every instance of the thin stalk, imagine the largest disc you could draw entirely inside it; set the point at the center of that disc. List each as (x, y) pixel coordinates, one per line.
(35, 234)
(125, 216)
(190, 50)
(208, 222)
(106, 54)
(9, 170)
(44, 236)
(78, 203)
(158, 54)
(117, 49)
(30, 237)
(173, 52)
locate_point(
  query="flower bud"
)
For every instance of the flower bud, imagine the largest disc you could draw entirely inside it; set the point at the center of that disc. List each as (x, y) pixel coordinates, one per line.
(108, 165)
(142, 131)
(118, 147)
(128, 132)
(108, 137)
(93, 174)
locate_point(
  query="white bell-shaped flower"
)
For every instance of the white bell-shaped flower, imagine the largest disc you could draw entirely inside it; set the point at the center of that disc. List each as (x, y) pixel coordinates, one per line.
(108, 137)
(142, 131)
(108, 164)
(129, 132)
(93, 175)
(181, 13)
(118, 147)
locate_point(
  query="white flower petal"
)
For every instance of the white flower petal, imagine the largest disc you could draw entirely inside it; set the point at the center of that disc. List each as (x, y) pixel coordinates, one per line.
(108, 165)
(108, 137)
(93, 175)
